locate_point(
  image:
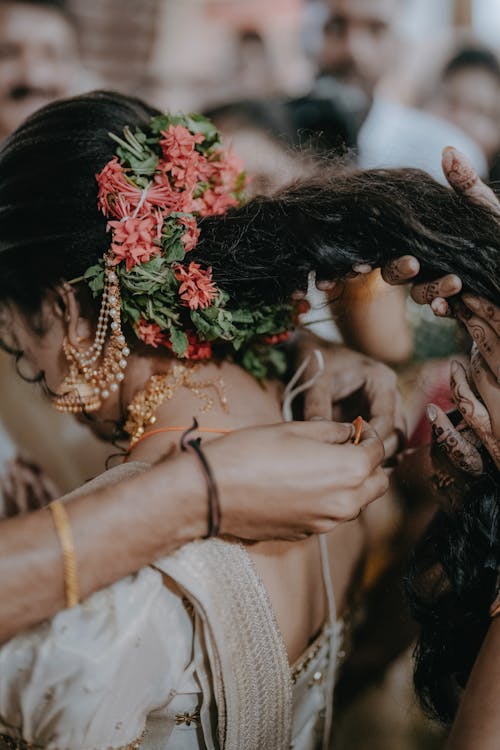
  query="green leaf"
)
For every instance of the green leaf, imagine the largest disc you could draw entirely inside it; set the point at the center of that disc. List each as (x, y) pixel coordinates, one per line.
(175, 252)
(179, 341)
(253, 364)
(94, 276)
(198, 124)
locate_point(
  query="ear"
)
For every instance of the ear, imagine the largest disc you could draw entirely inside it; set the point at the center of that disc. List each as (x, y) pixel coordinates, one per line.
(66, 306)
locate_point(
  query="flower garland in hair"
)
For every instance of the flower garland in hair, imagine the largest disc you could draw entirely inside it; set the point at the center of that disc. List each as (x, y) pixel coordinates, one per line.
(152, 192)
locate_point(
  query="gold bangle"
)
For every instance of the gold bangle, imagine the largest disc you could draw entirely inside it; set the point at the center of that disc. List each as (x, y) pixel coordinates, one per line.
(63, 528)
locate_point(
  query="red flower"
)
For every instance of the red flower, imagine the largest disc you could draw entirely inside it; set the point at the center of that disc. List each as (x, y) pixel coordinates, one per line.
(191, 235)
(301, 307)
(214, 203)
(180, 157)
(119, 197)
(196, 349)
(150, 333)
(197, 289)
(134, 239)
(277, 338)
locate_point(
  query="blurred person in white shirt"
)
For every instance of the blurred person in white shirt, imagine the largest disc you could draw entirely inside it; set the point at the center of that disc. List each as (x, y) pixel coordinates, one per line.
(467, 94)
(362, 44)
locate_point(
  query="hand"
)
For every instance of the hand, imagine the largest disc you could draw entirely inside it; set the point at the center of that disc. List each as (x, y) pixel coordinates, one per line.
(463, 178)
(481, 415)
(482, 320)
(25, 487)
(348, 373)
(291, 480)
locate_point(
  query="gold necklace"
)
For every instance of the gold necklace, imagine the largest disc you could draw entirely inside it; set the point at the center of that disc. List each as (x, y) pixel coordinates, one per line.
(161, 388)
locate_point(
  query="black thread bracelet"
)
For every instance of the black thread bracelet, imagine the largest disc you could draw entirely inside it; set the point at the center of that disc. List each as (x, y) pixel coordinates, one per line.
(214, 511)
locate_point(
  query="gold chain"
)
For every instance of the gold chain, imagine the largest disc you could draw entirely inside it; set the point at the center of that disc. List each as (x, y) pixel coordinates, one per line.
(161, 388)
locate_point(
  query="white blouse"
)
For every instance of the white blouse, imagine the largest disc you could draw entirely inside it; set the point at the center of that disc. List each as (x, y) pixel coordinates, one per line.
(198, 665)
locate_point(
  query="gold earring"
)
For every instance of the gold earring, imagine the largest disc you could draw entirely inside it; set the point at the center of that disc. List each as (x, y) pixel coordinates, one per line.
(88, 384)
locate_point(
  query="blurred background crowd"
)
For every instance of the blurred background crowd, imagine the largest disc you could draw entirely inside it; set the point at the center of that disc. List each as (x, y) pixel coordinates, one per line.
(292, 84)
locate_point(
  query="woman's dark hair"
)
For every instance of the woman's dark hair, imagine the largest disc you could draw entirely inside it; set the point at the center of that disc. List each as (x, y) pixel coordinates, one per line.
(450, 586)
(318, 123)
(473, 56)
(50, 230)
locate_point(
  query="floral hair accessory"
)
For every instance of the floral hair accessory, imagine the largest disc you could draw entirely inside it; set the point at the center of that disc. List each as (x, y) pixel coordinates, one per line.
(153, 192)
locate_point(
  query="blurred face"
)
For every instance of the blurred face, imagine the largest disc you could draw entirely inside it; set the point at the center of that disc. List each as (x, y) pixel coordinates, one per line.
(38, 55)
(41, 343)
(41, 350)
(470, 98)
(360, 41)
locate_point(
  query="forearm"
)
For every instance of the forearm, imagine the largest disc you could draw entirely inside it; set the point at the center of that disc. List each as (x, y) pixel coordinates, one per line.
(117, 530)
(372, 318)
(477, 724)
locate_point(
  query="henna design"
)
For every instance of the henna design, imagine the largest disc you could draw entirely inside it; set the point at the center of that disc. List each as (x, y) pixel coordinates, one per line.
(401, 270)
(480, 336)
(458, 450)
(392, 274)
(462, 175)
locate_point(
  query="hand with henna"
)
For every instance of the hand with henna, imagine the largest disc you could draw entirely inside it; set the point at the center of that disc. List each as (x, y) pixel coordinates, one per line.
(476, 393)
(463, 178)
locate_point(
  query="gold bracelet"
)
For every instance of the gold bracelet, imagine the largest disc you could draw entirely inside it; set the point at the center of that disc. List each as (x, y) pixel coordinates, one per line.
(63, 528)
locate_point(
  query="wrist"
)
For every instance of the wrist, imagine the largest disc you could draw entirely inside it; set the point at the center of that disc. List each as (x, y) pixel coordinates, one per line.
(182, 479)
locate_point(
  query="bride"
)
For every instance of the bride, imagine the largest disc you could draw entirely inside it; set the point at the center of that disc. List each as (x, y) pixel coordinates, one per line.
(172, 301)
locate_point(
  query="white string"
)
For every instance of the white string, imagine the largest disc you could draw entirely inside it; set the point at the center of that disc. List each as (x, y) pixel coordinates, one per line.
(291, 392)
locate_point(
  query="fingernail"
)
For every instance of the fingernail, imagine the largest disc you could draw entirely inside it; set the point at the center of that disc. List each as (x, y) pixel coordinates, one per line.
(448, 157)
(362, 268)
(412, 264)
(432, 412)
(451, 285)
(439, 306)
(318, 419)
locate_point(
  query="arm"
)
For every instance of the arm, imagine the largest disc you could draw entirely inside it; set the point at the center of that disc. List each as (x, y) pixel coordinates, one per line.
(477, 724)
(372, 318)
(260, 472)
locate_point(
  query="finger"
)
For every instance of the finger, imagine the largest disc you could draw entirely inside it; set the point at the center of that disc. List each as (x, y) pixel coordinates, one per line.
(401, 270)
(485, 339)
(441, 308)
(461, 454)
(382, 397)
(371, 447)
(446, 286)
(325, 285)
(50, 489)
(318, 399)
(473, 411)
(375, 486)
(7, 490)
(485, 309)
(487, 387)
(476, 415)
(464, 179)
(321, 430)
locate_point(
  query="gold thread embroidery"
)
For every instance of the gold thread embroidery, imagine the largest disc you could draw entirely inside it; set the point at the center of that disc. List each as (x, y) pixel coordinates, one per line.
(187, 718)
